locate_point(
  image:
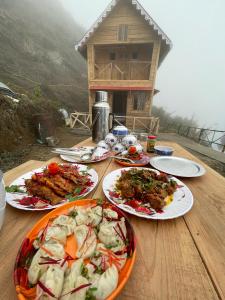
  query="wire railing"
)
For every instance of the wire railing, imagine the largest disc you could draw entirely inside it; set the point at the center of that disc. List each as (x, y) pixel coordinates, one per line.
(208, 137)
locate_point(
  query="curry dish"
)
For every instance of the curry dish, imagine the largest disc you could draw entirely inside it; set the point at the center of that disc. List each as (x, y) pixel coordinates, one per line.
(146, 186)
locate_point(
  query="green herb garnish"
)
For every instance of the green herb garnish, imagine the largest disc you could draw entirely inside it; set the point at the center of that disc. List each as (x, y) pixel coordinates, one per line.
(14, 189)
(90, 294)
(84, 271)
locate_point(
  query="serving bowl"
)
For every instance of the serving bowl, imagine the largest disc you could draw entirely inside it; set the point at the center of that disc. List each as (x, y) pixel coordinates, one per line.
(163, 150)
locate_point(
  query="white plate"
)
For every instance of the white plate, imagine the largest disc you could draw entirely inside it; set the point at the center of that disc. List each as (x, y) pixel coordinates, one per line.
(73, 159)
(11, 197)
(181, 204)
(177, 166)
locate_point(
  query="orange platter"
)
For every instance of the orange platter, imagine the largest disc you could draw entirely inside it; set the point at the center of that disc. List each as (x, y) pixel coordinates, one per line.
(27, 251)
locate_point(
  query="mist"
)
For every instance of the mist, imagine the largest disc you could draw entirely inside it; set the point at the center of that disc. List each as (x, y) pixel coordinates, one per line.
(191, 78)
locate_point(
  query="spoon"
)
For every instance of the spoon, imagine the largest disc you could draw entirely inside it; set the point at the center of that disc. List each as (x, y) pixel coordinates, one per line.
(123, 158)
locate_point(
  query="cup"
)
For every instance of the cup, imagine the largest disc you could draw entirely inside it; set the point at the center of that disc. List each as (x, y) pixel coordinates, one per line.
(2, 200)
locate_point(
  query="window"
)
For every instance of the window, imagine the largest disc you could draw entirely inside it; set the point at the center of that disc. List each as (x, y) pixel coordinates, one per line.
(139, 100)
(134, 55)
(123, 32)
(112, 56)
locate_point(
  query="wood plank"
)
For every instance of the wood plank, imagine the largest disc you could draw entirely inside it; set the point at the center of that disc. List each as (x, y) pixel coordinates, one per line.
(168, 264)
(206, 220)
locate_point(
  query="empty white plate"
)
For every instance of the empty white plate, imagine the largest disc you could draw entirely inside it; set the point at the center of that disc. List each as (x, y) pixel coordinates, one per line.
(177, 166)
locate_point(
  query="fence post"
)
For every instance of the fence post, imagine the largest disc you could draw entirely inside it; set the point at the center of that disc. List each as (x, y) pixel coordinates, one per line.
(179, 129)
(200, 135)
(188, 130)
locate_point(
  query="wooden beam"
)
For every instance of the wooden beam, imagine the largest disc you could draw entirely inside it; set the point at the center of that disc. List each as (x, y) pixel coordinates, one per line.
(119, 88)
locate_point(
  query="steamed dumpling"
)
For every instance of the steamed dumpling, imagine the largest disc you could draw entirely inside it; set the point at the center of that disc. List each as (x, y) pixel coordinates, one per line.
(71, 278)
(95, 215)
(89, 216)
(56, 232)
(109, 213)
(35, 270)
(100, 257)
(55, 248)
(52, 279)
(81, 294)
(67, 222)
(86, 240)
(113, 233)
(107, 283)
(82, 216)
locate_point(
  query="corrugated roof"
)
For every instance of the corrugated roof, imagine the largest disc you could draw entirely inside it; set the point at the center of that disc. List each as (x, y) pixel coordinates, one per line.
(6, 90)
(106, 12)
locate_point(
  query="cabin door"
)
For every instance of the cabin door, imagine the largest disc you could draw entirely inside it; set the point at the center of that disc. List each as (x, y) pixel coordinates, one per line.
(120, 105)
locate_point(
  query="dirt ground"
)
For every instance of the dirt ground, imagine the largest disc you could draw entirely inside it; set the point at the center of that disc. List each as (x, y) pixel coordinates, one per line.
(66, 136)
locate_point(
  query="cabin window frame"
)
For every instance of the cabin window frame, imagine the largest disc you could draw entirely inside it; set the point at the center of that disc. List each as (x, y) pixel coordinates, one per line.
(122, 35)
(139, 100)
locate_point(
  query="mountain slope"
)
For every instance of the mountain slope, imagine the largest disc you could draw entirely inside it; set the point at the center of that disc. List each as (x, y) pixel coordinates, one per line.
(37, 50)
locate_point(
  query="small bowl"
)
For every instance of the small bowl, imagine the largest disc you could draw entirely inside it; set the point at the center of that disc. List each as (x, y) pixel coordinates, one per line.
(163, 150)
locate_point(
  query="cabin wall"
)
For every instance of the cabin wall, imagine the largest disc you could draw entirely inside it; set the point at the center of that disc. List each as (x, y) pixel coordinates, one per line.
(124, 13)
(124, 72)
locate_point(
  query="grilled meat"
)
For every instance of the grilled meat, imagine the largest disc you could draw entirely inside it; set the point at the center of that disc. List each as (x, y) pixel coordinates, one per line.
(51, 183)
(42, 191)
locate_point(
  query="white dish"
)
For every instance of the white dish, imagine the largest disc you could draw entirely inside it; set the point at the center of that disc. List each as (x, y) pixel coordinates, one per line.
(11, 197)
(181, 204)
(83, 150)
(177, 166)
(2, 201)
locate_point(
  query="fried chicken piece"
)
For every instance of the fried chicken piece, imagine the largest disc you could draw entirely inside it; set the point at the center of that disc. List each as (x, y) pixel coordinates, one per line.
(155, 201)
(64, 184)
(42, 191)
(127, 191)
(51, 183)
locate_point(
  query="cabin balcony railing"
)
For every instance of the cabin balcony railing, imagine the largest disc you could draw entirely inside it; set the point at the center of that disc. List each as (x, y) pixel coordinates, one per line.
(132, 70)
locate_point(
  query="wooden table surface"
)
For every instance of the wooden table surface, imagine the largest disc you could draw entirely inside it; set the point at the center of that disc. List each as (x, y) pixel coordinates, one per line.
(182, 258)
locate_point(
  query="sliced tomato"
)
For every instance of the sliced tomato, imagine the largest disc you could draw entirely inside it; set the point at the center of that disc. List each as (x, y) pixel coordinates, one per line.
(144, 210)
(133, 203)
(53, 168)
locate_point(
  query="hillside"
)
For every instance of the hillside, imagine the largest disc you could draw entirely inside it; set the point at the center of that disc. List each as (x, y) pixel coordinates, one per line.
(37, 50)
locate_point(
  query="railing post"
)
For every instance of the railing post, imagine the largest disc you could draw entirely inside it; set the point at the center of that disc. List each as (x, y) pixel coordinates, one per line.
(134, 123)
(200, 135)
(188, 130)
(179, 129)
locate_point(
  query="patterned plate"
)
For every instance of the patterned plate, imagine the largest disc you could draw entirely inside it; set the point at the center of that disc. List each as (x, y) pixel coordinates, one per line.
(12, 198)
(181, 204)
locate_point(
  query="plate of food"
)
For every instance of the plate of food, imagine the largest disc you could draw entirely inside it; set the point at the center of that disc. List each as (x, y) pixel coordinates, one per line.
(51, 186)
(83, 154)
(147, 193)
(81, 250)
(133, 157)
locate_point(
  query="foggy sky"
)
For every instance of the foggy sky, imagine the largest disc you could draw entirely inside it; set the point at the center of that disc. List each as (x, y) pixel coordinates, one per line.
(191, 79)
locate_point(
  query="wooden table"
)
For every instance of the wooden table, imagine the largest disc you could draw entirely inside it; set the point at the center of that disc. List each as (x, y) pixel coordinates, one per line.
(182, 258)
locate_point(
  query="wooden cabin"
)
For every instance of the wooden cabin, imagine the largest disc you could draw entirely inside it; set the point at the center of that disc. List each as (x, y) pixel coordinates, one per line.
(124, 49)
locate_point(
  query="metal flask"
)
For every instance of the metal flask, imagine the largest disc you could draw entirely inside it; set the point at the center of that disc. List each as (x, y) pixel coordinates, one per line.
(100, 116)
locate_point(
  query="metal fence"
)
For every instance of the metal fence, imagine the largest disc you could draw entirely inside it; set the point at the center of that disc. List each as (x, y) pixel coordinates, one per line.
(208, 137)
